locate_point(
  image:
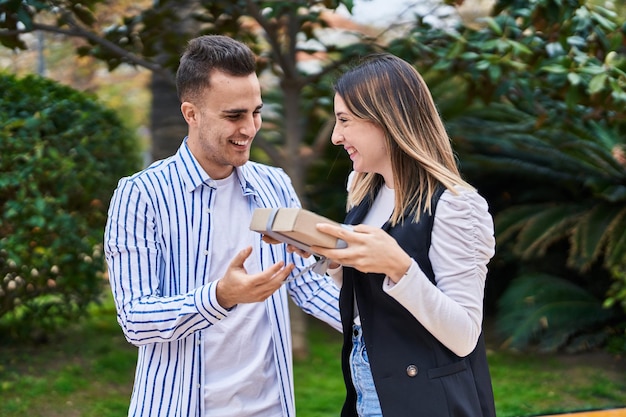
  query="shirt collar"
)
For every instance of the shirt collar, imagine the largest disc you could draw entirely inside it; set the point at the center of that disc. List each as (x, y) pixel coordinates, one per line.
(195, 176)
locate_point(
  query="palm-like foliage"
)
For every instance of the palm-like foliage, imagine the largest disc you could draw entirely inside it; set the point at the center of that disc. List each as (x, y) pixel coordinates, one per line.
(566, 184)
(553, 312)
(578, 188)
(546, 80)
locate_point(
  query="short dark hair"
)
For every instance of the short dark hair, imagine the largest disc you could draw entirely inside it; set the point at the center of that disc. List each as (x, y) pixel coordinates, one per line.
(207, 53)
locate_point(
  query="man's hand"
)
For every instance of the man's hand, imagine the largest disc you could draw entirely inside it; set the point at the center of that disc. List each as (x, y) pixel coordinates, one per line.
(237, 286)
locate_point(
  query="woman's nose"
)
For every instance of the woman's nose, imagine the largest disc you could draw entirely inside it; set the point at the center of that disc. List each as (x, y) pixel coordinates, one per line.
(336, 138)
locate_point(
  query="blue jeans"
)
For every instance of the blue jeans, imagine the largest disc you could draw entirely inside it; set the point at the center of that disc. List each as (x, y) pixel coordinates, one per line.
(367, 404)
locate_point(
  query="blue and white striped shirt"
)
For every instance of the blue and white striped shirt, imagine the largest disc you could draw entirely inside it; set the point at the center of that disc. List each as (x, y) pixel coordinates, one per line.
(158, 241)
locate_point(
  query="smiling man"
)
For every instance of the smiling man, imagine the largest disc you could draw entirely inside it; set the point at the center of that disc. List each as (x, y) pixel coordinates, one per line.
(201, 295)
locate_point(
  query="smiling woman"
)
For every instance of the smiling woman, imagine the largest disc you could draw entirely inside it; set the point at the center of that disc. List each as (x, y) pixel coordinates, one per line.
(413, 273)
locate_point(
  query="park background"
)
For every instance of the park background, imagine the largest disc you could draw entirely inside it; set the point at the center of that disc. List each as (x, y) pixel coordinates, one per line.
(533, 95)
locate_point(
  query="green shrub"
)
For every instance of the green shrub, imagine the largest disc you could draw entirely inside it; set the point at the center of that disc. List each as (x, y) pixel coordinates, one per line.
(62, 153)
(553, 314)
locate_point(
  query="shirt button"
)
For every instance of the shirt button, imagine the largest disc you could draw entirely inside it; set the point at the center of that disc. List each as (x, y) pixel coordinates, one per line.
(411, 370)
(206, 252)
(208, 210)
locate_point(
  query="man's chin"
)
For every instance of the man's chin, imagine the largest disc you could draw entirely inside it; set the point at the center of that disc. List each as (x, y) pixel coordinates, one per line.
(240, 161)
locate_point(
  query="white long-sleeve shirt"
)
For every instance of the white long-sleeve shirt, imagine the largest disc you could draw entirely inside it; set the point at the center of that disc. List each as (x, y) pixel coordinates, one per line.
(462, 243)
(158, 242)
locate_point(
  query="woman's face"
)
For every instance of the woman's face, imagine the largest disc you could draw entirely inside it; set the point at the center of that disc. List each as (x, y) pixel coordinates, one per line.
(363, 140)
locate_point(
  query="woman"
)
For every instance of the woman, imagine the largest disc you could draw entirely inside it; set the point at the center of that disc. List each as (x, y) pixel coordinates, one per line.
(413, 275)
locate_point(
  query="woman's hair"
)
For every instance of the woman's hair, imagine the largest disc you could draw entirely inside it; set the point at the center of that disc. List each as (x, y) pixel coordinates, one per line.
(389, 92)
(205, 54)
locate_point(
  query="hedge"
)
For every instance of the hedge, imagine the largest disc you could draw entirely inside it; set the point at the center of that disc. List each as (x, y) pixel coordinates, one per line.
(62, 153)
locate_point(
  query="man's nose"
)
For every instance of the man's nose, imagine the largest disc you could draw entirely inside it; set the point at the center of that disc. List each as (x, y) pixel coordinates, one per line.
(248, 127)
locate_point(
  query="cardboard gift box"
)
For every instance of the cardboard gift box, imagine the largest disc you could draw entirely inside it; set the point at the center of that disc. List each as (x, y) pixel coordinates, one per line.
(295, 226)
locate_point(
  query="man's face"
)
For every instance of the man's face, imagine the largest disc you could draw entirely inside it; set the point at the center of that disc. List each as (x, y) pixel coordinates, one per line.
(224, 122)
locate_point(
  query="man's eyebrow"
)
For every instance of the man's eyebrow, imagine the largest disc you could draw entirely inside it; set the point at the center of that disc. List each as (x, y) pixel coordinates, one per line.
(241, 111)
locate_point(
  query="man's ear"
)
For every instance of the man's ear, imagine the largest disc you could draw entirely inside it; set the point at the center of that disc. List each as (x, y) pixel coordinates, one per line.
(189, 112)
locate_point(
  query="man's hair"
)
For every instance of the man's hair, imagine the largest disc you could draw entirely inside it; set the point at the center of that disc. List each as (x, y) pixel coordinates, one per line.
(205, 54)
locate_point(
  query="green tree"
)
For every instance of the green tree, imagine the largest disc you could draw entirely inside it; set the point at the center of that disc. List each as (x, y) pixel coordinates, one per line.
(525, 74)
(540, 126)
(62, 154)
(281, 32)
(295, 133)
(565, 192)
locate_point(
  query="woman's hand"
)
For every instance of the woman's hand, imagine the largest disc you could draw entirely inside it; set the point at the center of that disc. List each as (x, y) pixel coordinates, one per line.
(370, 249)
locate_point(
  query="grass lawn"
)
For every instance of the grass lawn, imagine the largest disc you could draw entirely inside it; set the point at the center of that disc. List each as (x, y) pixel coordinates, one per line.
(88, 372)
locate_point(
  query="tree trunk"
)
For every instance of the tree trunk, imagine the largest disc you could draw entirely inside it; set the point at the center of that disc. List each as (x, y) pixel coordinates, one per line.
(294, 167)
(168, 127)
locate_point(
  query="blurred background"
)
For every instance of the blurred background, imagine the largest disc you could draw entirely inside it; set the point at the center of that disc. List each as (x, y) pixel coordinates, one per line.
(533, 94)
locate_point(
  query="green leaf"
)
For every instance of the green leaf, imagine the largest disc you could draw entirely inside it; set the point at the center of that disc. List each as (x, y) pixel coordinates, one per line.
(548, 310)
(493, 25)
(590, 234)
(597, 83)
(520, 48)
(554, 69)
(616, 246)
(83, 14)
(25, 18)
(470, 56)
(573, 78)
(547, 226)
(606, 24)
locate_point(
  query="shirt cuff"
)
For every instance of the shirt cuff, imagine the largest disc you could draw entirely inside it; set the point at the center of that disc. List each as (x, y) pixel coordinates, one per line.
(336, 274)
(389, 285)
(207, 305)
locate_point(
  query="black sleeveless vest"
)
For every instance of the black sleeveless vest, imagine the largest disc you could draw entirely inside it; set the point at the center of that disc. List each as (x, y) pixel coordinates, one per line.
(414, 374)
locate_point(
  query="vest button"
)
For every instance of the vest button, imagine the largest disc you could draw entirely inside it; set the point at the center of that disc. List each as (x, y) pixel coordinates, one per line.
(411, 370)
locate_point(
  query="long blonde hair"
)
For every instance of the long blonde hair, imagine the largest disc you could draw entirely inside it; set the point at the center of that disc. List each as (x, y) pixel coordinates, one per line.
(389, 92)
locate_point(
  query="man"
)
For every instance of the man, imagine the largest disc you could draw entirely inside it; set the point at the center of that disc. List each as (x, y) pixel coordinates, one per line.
(201, 295)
